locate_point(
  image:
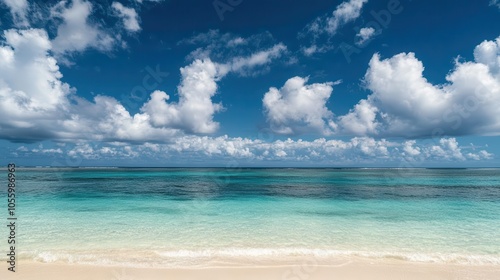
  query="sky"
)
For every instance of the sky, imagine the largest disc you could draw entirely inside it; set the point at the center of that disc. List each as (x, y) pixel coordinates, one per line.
(236, 83)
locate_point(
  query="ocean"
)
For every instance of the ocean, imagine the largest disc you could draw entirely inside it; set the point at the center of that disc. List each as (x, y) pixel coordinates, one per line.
(182, 217)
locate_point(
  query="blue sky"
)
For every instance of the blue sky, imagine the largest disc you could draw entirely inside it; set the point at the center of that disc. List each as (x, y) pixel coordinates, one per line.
(250, 83)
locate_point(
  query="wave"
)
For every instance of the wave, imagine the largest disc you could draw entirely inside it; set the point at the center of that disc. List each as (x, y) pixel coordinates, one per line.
(244, 257)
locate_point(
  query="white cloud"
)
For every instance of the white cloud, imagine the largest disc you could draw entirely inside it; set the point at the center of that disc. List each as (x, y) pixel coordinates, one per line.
(36, 105)
(76, 33)
(18, 10)
(108, 151)
(365, 34)
(195, 109)
(237, 41)
(244, 56)
(214, 40)
(308, 51)
(22, 149)
(346, 12)
(314, 48)
(32, 95)
(448, 149)
(48, 151)
(404, 103)
(129, 16)
(481, 155)
(84, 150)
(495, 3)
(298, 108)
(245, 65)
(209, 146)
(410, 149)
(105, 119)
(488, 53)
(361, 119)
(372, 147)
(320, 32)
(358, 150)
(24, 59)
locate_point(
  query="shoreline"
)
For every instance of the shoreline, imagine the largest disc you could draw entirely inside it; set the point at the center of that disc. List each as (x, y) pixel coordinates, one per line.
(244, 257)
(350, 269)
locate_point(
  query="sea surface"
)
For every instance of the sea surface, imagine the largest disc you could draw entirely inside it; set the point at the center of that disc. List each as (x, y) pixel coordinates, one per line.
(199, 217)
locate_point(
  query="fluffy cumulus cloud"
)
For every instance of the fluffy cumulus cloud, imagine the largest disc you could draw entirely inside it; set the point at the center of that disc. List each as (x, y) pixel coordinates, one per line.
(298, 108)
(18, 10)
(129, 16)
(360, 120)
(46, 108)
(32, 95)
(76, 32)
(195, 110)
(410, 150)
(105, 119)
(37, 105)
(447, 149)
(404, 103)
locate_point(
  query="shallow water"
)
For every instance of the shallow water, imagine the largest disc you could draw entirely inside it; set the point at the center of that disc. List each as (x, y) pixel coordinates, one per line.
(175, 217)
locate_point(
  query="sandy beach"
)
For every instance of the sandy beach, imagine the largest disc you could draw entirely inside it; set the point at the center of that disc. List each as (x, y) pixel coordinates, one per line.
(354, 269)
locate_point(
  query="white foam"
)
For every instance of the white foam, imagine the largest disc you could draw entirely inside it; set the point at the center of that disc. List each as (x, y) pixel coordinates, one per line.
(207, 257)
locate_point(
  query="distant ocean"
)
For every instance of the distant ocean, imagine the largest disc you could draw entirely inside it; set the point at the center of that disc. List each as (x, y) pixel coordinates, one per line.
(199, 217)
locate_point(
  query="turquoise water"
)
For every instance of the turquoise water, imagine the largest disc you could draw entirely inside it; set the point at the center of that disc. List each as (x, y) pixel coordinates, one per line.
(189, 217)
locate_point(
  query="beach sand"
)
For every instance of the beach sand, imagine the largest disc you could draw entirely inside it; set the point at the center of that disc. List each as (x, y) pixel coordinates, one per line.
(353, 269)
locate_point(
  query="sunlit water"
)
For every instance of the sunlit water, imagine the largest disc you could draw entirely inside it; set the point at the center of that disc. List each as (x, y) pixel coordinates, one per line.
(193, 217)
